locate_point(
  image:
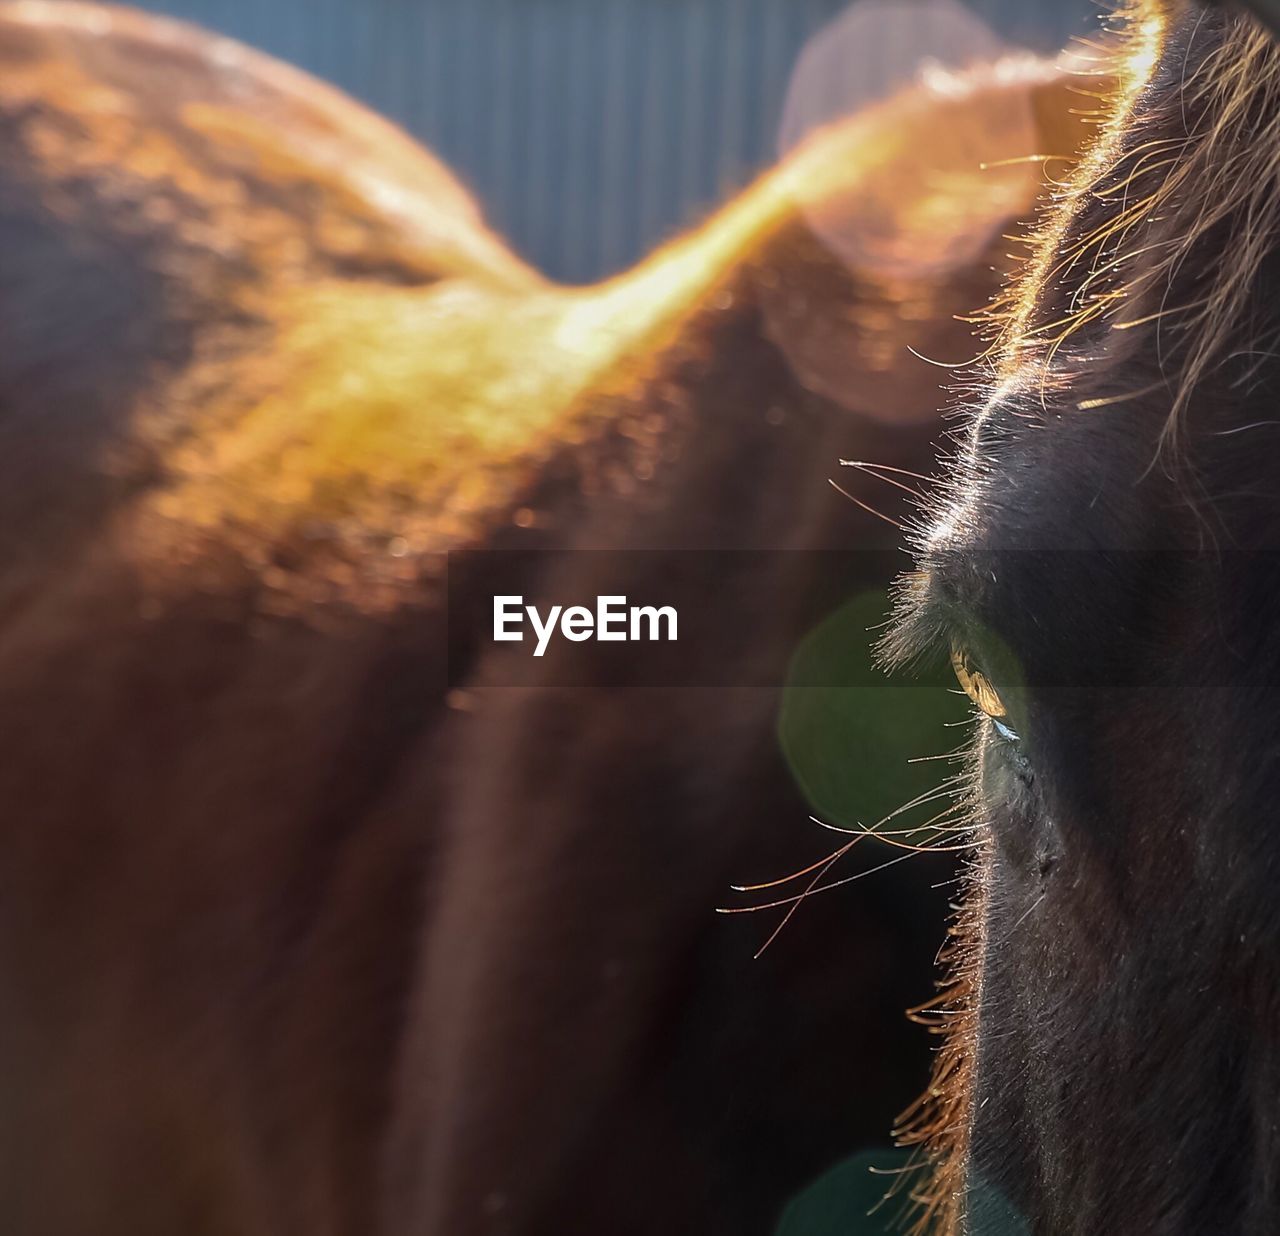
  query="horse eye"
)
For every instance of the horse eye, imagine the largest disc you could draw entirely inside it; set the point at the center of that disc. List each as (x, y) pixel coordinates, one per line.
(976, 685)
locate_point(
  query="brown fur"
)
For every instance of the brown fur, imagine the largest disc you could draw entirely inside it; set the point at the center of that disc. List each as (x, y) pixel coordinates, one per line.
(294, 937)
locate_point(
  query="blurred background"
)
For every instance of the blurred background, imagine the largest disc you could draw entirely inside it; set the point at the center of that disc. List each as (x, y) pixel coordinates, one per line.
(592, 130)
(627, 1065)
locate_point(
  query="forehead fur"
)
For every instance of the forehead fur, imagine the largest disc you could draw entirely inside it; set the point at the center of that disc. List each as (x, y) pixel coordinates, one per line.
(1165, 227)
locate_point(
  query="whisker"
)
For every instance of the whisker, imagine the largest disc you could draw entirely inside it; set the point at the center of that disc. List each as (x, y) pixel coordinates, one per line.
(1226, 433)
(1022, 918)
(870, 510)
(948, 788)
(937, 364)
(862, 463)
(884, 834)
(796, 875)
(786, 918)
(959, 806)
(888, 480)
(796, 898)
(858, 834)
(944, 786)
(923, 800)
(958, 753)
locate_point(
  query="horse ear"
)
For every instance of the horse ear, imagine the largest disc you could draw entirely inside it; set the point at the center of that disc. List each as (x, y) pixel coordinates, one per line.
(910, 206)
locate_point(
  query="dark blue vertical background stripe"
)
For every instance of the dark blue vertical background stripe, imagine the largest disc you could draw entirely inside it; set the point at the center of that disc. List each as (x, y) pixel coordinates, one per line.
(590, 129)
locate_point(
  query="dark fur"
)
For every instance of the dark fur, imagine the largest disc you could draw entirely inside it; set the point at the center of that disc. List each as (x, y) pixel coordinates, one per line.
(1116, 572)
